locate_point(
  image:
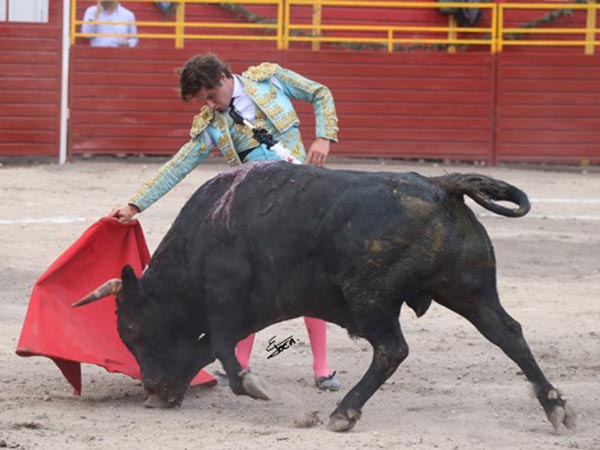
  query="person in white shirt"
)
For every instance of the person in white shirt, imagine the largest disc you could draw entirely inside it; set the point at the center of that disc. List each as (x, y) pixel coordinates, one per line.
(110, 11)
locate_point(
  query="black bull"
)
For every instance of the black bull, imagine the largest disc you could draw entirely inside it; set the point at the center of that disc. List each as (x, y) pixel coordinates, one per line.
(274, 241)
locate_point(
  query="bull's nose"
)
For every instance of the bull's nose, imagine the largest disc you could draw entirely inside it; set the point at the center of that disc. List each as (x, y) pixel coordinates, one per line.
(160, 402)
(159, 396)
(154, 387)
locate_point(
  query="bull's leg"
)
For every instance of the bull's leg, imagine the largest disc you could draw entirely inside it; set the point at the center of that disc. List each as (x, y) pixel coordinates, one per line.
(389, 350)
(241, 382)
(226, 287)
(490, 318)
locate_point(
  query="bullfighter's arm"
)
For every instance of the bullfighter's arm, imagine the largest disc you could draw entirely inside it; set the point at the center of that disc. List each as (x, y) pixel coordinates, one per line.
(173, 171)
(301, 88)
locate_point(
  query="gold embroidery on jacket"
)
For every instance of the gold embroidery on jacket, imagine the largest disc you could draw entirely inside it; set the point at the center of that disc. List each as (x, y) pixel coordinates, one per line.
(330, 122)
(317, 90)
(224, 141)
(260, 119)
(201, 121)
(169, 167)
(274, 111)
(261, 72)
(267, 103)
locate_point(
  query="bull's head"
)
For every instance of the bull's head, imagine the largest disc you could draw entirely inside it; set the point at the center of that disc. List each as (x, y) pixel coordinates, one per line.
(163, 332)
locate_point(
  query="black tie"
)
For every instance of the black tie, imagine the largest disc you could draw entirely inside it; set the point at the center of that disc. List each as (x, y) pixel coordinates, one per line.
(260, 134)
(236, 116)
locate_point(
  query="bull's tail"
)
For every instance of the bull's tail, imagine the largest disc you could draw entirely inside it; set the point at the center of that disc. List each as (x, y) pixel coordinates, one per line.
(487, 192)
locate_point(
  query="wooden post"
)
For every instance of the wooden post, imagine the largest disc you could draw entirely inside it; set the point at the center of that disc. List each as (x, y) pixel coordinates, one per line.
(179, 25)
(280, 25)
(590, 35)
(286, 27)
(317, 16)
(500, 28)
(452, 32)
(73, 19)
(495, 30)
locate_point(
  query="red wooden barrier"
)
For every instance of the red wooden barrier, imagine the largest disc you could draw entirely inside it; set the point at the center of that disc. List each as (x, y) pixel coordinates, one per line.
(30, 61)
(467, 106)
(548, 108)
(400, 105)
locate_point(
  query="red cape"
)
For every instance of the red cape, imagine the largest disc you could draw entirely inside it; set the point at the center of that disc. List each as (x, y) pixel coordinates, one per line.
(88, 334)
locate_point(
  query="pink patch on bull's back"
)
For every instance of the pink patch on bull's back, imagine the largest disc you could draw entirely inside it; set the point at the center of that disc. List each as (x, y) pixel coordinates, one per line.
(221, 212)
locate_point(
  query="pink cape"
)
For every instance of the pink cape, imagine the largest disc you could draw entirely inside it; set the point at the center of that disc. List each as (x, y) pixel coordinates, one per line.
(71, 336)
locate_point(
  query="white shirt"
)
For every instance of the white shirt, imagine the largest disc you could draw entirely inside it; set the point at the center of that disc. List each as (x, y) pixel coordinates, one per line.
(120, 14)
(242, 103)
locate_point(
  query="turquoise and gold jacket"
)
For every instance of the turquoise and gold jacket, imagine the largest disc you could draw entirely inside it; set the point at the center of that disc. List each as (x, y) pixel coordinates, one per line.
(274, 111)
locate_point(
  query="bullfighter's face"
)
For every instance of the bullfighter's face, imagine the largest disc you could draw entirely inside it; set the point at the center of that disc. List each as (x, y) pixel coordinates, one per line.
(168, 351)
(217, 98)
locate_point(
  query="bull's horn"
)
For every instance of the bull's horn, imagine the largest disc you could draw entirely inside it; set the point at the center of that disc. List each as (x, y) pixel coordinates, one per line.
(111, 287)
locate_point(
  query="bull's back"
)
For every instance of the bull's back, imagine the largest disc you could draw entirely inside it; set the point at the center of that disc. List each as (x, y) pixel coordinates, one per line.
(318, 207)
(278, 199)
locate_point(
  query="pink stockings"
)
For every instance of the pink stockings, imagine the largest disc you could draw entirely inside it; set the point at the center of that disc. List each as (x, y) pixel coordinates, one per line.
(317, 334)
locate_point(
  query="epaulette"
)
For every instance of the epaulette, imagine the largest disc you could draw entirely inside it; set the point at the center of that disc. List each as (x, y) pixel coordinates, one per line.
(201, 121)
(261, 72)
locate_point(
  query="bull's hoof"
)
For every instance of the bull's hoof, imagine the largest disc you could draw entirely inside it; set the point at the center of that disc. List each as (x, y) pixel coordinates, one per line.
(252, 386)
(339, 422)
(563, 414)
(157, 402)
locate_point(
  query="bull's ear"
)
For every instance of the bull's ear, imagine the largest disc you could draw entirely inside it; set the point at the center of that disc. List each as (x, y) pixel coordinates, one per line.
(131, 283)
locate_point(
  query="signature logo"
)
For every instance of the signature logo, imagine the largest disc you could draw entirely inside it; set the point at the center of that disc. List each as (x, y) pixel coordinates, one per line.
(277, 347)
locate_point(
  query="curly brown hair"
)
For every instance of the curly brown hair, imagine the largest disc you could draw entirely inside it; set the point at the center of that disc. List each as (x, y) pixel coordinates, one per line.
(201, 71)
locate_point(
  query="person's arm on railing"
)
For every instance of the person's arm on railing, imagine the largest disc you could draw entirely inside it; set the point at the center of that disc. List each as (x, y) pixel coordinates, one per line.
(91, 15)
(132, 29)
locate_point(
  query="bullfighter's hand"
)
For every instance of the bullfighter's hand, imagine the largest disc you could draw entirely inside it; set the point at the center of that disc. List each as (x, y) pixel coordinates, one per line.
(124, 214)
(317, 153)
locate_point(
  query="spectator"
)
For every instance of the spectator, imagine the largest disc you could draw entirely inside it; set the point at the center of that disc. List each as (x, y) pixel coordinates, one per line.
(167, 8)
(110, 11)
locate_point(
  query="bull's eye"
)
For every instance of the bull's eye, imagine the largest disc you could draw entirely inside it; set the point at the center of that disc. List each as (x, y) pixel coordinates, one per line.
(131, 333)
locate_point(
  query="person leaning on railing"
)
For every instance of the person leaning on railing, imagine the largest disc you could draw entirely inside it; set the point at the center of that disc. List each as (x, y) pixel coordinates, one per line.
(261, 96)
(110, 11)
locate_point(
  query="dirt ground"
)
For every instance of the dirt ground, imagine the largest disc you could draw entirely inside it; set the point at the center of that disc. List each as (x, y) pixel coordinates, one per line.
(455, 390)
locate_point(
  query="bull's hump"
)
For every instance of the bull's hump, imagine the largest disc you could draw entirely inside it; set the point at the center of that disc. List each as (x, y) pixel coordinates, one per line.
(221, 212)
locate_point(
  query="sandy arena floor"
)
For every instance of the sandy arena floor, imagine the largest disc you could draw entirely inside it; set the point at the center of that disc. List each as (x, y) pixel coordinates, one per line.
(455, 390)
